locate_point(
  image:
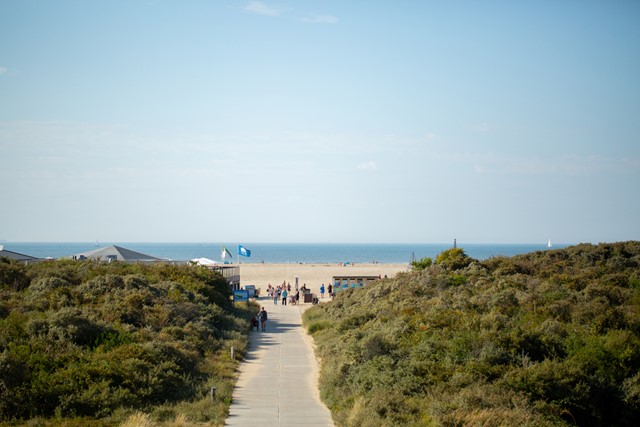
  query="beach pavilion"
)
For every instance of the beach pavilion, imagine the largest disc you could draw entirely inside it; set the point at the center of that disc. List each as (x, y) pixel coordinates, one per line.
(205, 262)
(231, 273)
(17, 256)
(116, 253)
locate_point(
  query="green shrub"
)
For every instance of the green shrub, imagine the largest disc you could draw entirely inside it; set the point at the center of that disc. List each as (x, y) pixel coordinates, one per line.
(13, 275)
(549, 338)
(421, 264)
(88, 343)
(316, 326)
(453, 259)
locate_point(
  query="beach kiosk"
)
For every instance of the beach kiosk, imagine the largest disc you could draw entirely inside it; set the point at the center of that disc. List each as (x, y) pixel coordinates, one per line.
(345, 282)
(231, 273)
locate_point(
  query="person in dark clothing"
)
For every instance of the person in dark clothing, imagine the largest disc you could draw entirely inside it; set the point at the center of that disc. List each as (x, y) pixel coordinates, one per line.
(263, 319)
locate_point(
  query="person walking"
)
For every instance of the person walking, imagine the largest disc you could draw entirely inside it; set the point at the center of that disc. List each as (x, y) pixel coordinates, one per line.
(322, 291)
(284, 296)
(263, 319)
(275, 297)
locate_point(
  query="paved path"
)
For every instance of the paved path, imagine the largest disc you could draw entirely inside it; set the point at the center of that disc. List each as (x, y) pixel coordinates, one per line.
(278, 379)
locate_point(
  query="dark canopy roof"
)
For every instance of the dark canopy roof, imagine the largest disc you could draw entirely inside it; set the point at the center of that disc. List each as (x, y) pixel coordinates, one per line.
(117, 253)
(16, 256)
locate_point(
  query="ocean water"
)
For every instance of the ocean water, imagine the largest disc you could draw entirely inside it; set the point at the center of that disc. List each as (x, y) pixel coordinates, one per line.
(284, 252)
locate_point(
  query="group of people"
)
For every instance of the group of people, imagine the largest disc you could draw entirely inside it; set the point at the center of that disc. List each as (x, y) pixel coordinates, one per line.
(330, 289)
(283, 292)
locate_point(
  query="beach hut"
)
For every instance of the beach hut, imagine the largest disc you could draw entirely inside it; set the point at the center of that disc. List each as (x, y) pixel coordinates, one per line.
(116, 253)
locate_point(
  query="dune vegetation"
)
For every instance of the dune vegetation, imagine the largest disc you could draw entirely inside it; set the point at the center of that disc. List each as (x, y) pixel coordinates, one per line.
(547, 338)
(93, 344)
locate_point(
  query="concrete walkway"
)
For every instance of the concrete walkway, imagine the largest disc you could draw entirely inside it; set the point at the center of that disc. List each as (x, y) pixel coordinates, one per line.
(278, 379)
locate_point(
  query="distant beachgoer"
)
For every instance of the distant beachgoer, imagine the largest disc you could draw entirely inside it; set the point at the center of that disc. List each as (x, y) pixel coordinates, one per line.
(322, 291)
(297, 297)
(330, 288)
(284, 297)
(275, 297)
(263, 319)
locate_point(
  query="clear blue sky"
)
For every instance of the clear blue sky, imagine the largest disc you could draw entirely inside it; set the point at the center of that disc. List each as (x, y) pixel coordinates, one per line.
(320, 121)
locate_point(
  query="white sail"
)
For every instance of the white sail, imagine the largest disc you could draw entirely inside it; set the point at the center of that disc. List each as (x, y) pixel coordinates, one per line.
(549, 244)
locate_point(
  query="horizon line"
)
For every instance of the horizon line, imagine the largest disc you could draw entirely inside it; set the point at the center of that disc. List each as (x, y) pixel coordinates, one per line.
(208, 242)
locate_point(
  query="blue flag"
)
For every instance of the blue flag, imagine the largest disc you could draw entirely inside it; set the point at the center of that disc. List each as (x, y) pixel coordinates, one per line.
(243, 251)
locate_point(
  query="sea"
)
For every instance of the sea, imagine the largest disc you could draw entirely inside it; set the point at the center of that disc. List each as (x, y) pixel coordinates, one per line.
(307, 253)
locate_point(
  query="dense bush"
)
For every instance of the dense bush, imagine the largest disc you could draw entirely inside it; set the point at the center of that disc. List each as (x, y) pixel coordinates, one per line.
(547, 338)
(421, 263)
(85, 340)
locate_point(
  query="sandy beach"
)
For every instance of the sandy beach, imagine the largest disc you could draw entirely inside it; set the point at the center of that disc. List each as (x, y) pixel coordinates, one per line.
(313, 275)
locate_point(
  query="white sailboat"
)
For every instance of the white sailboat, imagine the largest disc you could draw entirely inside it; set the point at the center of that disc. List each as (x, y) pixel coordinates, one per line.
(549, 245)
